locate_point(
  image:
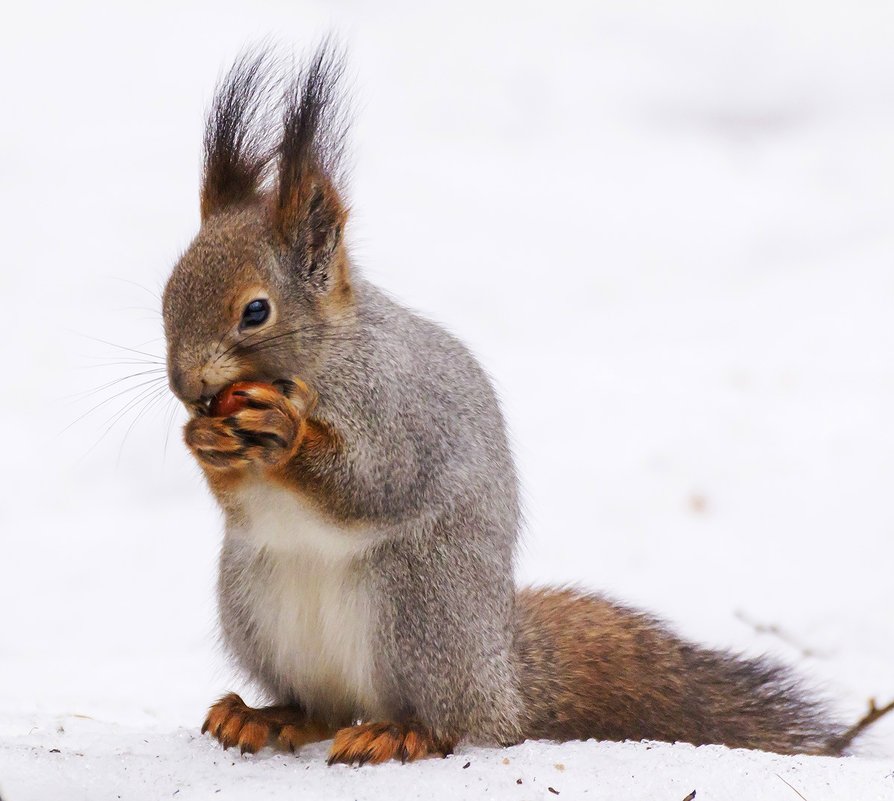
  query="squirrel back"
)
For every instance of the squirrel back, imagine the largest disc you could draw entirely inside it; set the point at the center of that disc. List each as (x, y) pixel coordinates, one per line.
(371, 501)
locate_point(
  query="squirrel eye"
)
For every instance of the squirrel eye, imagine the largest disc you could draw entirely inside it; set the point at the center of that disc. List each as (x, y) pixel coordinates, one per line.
(255, 313)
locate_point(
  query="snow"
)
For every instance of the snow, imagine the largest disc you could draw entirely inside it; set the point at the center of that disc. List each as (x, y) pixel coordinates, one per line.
(666, 231)
(94, 760)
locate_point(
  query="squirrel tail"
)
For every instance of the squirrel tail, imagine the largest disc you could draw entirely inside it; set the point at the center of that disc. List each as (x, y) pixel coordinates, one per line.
(590, 668)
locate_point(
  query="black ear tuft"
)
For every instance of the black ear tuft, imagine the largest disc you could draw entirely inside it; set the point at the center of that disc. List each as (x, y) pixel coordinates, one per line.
(236, 150)
(308, 212)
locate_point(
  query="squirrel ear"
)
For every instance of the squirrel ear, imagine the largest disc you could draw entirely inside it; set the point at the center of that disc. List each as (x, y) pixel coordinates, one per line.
(235, 156)
(308, 213)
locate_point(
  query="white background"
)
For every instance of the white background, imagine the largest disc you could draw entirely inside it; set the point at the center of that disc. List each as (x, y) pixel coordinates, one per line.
(666, 230)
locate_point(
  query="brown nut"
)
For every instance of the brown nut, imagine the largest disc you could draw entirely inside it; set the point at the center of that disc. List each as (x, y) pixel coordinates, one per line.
(233, 398)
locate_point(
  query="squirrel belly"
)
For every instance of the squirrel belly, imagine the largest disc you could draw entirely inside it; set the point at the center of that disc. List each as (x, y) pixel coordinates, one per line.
(294, 607)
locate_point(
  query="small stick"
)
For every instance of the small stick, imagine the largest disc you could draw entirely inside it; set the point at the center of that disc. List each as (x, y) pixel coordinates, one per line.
(843, 740)
(794, 789)
(775, 631)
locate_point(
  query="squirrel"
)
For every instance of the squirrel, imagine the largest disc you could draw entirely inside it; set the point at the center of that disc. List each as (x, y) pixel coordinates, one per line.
(371, 503)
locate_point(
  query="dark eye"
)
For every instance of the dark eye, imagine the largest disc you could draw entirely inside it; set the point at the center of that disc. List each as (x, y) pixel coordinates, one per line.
(255, 313)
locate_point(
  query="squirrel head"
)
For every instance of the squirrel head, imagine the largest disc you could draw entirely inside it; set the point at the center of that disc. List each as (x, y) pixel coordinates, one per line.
(266, 281)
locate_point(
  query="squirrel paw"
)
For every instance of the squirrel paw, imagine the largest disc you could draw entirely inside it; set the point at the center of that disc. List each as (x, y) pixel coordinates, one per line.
(285, 727)
(379, 742)
(267, 429)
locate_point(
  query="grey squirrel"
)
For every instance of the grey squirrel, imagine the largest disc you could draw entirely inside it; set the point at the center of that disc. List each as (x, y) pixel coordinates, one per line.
(371, 503)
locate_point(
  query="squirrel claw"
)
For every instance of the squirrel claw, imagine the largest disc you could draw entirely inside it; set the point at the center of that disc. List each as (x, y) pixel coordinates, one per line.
(233, 723)
(378, 742)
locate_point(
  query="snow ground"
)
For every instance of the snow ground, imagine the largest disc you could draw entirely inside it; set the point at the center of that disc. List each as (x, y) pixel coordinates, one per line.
(665, 229)
(109, 761)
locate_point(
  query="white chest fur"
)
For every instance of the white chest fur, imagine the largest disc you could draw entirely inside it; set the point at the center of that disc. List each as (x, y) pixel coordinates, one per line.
(309, 608)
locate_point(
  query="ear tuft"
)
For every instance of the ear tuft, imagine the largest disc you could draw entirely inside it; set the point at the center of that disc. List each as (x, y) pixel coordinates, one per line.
(308, 212)
(236, 149)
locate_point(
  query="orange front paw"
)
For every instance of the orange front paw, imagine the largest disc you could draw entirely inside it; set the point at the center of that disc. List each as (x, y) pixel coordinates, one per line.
(379, 742)
(234, 723)
(264, 428)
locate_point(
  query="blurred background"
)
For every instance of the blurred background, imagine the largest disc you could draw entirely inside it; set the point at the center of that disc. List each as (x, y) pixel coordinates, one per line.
(665, 229)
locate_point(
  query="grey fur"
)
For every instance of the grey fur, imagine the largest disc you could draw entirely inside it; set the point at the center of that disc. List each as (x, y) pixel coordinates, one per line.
(430, 465)
(422, 498)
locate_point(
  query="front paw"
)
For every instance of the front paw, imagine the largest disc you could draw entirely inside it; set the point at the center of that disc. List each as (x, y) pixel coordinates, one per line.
(266, 430)
(286, 727)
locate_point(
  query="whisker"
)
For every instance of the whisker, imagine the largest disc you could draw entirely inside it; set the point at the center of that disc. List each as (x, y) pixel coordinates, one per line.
(136, 284)
(290, 332)
(113, 345)
(270, 343)
(254, 346)
(143, 396)
(155, 311)
(219, 342)
(170, 418)
(88, 392)
(301, 329)
(109, 400)
(141, 413)
(150, 359)
(236, 344)
(160, 365)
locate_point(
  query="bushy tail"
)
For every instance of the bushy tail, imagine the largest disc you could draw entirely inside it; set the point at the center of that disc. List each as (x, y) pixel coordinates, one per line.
(590, 668)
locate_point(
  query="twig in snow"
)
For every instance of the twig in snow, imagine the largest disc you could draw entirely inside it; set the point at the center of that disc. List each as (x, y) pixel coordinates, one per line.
(690, 796)
(844, 740)
(794, 789)
(779, 633)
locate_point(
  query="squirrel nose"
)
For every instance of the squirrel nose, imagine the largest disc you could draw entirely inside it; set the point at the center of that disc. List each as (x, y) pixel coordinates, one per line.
(187, 385)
